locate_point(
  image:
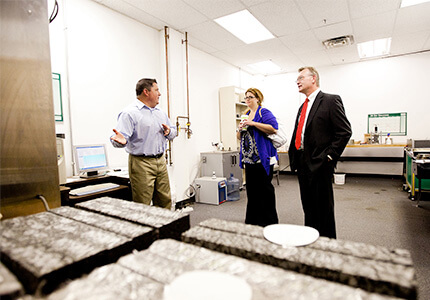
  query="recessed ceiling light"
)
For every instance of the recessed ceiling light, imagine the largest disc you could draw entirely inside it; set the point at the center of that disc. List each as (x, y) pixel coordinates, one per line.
(374, 48)
(245, 27)
(265, 67)
(406, 3)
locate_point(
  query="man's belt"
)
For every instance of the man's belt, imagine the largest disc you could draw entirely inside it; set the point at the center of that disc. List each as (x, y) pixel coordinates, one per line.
(150, 156)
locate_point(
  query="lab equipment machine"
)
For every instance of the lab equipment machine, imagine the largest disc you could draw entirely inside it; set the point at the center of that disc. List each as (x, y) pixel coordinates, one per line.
(223, 163)
(211, 190)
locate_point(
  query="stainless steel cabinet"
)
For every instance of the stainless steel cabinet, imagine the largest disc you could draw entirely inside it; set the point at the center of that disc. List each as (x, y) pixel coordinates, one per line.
(223, 163)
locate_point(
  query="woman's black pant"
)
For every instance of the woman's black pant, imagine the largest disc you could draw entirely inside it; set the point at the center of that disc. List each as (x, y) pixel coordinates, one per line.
(261, 207)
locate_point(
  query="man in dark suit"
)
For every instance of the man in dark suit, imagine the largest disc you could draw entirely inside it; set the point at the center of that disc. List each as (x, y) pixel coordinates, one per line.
(319, 138)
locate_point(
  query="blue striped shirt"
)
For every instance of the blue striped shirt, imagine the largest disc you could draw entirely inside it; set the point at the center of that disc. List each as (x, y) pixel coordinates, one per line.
(141, 127)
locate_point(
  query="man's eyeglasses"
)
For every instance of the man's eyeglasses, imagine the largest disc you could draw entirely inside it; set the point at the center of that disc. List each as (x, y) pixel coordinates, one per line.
(249, 97)
(300, 78)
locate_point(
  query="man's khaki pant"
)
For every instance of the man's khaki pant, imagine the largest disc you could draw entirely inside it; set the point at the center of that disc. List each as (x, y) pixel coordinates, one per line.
(149, 181)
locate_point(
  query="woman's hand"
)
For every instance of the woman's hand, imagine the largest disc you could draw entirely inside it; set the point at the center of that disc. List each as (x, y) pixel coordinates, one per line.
(241, 125)
(249, 123)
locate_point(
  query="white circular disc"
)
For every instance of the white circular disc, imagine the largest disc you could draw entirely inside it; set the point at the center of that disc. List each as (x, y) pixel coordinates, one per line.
(208, 285)
(290, 235)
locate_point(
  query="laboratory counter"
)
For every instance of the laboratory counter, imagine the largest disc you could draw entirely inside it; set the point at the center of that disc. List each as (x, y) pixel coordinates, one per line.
(374, 159)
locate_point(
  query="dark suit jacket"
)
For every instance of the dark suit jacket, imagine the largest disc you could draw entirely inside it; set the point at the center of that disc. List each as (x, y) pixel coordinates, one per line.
(327, 132)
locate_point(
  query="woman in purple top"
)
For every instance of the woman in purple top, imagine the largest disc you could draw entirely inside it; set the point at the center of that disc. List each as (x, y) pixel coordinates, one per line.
(257, 156)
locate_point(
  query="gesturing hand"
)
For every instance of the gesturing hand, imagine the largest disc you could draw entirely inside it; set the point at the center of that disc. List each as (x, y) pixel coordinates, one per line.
(119, 138)
(166, 129)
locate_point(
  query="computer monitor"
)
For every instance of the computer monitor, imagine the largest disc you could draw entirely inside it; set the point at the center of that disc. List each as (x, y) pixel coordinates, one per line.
(90, 159)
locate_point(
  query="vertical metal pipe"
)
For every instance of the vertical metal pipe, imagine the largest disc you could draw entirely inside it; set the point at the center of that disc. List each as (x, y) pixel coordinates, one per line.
(188, 89)
(166, 37)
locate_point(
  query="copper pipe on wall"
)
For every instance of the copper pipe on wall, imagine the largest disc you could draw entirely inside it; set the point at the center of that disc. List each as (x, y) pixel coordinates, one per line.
(166, 37)
(188, 89)
(188, 130)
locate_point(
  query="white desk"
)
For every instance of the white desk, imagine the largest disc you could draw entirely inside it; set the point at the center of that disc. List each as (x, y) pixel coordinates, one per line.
(372, 159)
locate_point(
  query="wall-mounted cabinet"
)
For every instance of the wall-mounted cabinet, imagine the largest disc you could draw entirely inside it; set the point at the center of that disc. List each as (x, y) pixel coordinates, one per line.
(231, 106)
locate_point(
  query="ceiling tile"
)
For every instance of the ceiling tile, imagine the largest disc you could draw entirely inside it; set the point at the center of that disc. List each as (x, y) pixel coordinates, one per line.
(281, 17)
(409, 42)
(288, 64)
(333, 31)
(215, 9)
(243, 55)
(179, 15)
(427, 43)
(363, 8)
(343, 55)
(253, 2)
(225, 57)
(133, 12)
(374, 27)
(270, 47)
(214, 35)
(413, 18)
(332, 11)
(201, 45)
(302, 42)
(317, 58)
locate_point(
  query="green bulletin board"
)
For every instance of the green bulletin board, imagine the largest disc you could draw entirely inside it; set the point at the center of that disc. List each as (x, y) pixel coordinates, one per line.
(58, 104)
(392, 123)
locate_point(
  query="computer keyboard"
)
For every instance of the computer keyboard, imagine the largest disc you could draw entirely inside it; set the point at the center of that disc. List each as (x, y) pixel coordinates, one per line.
(90, 189)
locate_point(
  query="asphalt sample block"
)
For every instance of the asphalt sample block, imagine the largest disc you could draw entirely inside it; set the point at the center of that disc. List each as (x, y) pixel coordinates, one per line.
(375, 269)
(45, 249)
(141, 236)
(168, 224)
(10, 287)
(148, 274)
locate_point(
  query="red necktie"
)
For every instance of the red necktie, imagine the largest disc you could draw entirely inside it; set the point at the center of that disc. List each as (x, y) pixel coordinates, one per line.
(301, 123)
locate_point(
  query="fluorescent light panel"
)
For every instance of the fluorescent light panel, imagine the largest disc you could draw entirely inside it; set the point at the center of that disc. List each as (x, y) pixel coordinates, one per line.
(245, 27)
(374, 48)
(406, 3)
(265, 67)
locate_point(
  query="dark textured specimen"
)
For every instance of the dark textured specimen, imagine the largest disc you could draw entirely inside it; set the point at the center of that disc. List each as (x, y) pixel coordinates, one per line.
(169, 224)
(147, 274)
(372, 268)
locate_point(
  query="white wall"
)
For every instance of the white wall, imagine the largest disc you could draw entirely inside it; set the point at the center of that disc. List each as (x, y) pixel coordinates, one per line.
(389, 85)
(104, 54)
(384, 86)
(101, 55)
(206, 75)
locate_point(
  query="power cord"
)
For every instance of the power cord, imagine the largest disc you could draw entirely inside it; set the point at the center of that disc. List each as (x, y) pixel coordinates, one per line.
(54, 12)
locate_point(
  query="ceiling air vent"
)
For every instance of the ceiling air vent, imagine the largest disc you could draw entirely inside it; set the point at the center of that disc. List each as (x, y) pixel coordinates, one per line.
(340, 41)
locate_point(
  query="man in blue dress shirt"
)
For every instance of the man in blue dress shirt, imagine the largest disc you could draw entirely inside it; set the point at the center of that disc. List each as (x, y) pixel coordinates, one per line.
(143, 129)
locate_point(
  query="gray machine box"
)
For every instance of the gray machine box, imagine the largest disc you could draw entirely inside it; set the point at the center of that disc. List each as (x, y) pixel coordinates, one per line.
(211, 190)
(223, 163)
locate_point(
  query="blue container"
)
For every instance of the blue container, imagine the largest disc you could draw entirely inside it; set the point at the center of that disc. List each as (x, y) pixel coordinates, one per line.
(233, 193)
